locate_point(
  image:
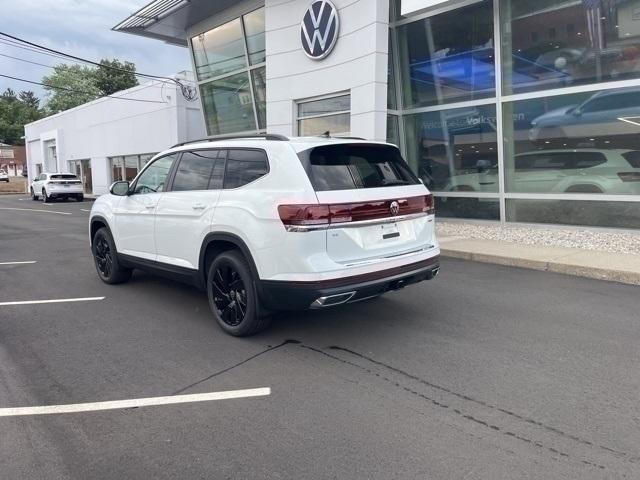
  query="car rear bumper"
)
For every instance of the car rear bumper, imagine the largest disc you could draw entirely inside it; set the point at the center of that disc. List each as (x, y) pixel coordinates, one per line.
(288, 295)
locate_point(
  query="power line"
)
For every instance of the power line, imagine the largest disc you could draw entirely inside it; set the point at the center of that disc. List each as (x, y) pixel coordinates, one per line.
(187, 91)
(79, 91)
(11, 43)
(54, 66)
(26, 61)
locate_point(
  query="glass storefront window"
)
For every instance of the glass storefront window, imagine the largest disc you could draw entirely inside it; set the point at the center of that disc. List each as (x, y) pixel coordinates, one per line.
(560, 43)
(219, 51)
(130, 167)
(579, 143)
(454, 150)
(254, 30)
(117, 164)
(472, 208)
(393, 132)
(448, 57)
(575, 212)
(228, 105)
(260, 95)
(331, 115)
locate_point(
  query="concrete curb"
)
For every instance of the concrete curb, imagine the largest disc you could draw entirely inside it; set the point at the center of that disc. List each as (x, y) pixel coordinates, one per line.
(613, 267)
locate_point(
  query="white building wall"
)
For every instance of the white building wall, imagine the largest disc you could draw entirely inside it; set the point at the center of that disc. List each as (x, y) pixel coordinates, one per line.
(155, 117)
(358, 64)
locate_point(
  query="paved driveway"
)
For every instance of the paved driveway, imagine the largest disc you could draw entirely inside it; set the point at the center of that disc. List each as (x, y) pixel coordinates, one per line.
(486, 372)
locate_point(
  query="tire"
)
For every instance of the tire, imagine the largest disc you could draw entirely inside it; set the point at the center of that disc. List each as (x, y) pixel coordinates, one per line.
(80, 198)
(105, 258)
(34, 197)
(45, 197)
(232, 294)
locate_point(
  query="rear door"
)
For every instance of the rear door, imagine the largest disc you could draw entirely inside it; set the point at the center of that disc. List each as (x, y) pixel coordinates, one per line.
(378, 208)
(185, 213)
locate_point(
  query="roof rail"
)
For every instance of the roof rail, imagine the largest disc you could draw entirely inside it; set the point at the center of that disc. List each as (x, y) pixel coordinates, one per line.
(267, 136)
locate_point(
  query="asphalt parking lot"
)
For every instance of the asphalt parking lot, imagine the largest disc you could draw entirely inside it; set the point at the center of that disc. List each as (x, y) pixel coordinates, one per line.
(487, 372)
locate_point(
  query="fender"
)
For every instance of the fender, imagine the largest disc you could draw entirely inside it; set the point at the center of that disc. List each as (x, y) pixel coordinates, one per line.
(93, 219)
(226, 237)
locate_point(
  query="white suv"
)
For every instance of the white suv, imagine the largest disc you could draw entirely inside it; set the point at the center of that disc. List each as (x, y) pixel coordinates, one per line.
(267, 223)
(50, 186)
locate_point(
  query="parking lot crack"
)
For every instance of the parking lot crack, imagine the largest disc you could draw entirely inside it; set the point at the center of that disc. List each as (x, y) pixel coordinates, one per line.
(228, 369)
(557, 431)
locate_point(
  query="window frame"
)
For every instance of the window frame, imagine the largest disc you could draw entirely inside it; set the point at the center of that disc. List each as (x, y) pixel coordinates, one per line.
(226, 165)
(298, 118)
(248, 68)
(174, 172)
(170, 174)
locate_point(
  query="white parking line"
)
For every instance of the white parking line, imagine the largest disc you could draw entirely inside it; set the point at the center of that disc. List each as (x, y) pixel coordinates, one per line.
(18, 263)
(34, 210)
(85, 210)
(60, 300)
(136, 402)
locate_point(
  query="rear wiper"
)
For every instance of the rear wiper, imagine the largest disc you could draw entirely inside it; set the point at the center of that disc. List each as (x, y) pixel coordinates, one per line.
(386, 182)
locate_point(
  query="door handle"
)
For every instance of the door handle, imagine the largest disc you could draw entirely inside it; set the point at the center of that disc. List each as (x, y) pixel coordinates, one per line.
(199, 206)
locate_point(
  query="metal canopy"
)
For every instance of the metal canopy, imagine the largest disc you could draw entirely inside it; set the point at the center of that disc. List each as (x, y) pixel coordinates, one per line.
(168, 20)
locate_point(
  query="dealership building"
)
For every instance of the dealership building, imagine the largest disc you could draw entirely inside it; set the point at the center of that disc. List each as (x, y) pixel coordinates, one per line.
(113, 137)
(513, 110)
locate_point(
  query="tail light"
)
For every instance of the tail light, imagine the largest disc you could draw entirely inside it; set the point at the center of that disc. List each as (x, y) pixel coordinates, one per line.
(324, 215)
(629, 176)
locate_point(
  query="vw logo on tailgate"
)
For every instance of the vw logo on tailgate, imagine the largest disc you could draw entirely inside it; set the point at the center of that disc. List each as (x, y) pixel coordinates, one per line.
(319, 29)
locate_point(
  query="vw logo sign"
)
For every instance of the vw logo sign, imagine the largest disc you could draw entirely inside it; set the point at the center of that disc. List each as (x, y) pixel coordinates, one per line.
(394, 208)
(319, 29)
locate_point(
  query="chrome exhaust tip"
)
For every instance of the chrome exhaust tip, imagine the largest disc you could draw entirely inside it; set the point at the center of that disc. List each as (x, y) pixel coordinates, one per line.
(332, 300)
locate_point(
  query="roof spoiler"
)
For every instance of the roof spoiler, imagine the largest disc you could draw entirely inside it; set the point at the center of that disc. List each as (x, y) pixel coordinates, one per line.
(267, 136)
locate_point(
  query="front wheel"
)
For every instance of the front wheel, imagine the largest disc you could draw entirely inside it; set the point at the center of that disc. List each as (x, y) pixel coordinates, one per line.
(34, 197)
(105, 258)
(232, 294)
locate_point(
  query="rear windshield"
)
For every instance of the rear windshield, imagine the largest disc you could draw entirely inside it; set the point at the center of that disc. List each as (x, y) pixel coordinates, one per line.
(633, 157)
(63, 177)
(351, 166)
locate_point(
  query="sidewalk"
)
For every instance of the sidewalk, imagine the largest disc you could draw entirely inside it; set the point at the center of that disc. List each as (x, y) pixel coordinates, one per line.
(614, 266)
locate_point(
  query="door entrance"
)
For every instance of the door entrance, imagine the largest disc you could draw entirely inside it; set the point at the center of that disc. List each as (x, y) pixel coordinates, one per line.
(82, 169)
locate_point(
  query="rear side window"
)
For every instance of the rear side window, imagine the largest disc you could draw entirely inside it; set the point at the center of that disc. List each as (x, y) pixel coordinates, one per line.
(633, 158)
(195, 170)
(347, 167)
(560, 160)
(245, 166)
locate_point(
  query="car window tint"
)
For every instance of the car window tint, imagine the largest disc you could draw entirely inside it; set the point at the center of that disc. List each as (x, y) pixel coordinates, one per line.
(154, 177)
(633, 157)
(194, 170)
(244, 166)
(67, 177)
(346, 167)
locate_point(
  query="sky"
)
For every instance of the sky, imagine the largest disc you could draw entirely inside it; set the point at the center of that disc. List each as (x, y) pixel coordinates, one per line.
(81, 28)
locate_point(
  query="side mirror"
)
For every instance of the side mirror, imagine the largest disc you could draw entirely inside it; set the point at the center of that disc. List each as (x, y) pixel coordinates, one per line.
(120, 189)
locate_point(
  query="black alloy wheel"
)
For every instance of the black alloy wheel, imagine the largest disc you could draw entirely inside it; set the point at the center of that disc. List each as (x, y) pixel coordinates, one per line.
(105, 257)
(34, 197)
(232, 295)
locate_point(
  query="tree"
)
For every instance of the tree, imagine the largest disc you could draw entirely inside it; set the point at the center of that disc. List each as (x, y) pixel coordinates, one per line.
(72, 85)
(113, 76)
(69, 86)
(15, 112)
